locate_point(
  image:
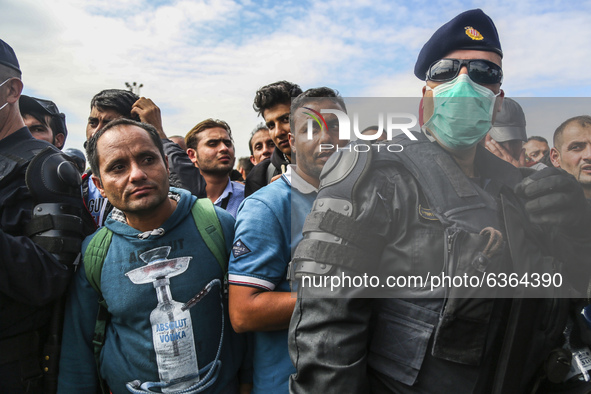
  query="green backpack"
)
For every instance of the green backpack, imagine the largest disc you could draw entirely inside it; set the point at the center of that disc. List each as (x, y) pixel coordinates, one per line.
(209, 227)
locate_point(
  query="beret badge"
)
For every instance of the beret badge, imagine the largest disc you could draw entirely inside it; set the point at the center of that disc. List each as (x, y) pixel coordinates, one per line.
(473, 33)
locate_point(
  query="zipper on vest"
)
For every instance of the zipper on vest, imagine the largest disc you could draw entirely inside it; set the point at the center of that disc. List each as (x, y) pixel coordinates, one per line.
(448, 261)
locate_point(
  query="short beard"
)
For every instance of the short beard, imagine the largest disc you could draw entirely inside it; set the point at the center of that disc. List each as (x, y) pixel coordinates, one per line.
(216, 171)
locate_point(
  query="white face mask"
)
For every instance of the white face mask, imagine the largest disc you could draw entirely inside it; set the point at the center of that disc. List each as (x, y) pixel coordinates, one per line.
(6, 103)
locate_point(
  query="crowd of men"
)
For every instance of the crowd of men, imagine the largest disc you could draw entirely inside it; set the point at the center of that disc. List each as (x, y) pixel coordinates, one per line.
(159, 269)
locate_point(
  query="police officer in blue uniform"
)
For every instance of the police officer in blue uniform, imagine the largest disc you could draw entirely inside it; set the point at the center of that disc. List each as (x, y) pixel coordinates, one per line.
(441, 205)
(42, 224)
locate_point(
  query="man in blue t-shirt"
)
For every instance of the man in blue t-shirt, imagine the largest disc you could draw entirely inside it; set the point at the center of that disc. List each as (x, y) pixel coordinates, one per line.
(268, 228)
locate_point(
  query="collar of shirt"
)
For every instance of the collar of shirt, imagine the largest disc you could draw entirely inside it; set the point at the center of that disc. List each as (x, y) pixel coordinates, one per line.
(227, 191)
(294, 180)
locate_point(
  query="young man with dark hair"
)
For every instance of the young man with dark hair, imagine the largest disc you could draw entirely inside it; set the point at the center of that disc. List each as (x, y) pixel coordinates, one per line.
(44, 120)
(211, 148)
(272, 102)
(162, 284)
(260, 299)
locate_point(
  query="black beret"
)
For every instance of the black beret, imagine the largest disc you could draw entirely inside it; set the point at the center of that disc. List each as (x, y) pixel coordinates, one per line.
(472, 29)
(8, 57)
(29, 104)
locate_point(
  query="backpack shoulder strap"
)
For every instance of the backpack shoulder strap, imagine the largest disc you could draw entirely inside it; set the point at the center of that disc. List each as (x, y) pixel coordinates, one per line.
(94, 258)
(210, 228)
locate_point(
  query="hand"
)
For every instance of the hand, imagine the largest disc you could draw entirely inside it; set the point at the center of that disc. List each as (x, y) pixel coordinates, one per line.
(555, 198)
(148, 112)
(500, 151)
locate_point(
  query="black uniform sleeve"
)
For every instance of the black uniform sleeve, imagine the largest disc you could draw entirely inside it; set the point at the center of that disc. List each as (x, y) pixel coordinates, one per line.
(183, 172)
(329, 332)
(328, 339)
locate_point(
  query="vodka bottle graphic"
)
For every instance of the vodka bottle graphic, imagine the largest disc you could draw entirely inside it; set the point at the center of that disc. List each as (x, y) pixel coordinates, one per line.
(172, 328)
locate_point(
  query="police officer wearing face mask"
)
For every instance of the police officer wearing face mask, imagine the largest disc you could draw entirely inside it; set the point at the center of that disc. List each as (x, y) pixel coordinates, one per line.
(41, 230)
(444, 205)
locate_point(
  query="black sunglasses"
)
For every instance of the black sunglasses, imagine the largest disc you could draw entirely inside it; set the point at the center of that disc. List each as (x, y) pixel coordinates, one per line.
(479, 70)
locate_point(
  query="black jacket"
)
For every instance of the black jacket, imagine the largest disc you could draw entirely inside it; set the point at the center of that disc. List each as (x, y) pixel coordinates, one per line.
(259, 175)
(360, 344)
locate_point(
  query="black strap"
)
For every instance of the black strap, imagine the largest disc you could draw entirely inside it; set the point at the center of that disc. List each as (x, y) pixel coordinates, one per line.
(58, 245)
(344, 227)
(39, 224)
(347, 256)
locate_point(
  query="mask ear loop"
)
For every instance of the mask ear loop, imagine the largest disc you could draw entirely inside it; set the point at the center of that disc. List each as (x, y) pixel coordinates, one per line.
(428, 133)
(424, 129)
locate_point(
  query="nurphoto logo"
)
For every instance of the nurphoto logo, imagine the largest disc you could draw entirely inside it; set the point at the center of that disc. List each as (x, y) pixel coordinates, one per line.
(394, 121)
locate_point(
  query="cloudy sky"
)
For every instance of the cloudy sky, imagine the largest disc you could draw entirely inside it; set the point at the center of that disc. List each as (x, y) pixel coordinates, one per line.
(200, 59)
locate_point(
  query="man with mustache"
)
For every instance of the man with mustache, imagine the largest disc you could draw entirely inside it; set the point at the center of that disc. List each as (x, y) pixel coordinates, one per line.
(111, 104)
(572, 150)
(155, 261)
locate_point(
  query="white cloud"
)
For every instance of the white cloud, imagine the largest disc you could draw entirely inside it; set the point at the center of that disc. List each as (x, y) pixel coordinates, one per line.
(200, 59)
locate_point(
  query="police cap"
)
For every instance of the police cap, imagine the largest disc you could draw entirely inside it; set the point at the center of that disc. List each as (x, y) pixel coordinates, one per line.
(8, 57)
(471, 29)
